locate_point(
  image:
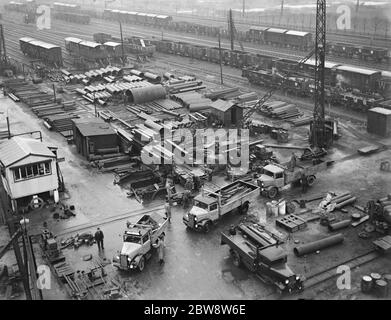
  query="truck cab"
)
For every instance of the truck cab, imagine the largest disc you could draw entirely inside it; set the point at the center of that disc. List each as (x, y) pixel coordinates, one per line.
(271, 179)
(138, 240)
(204, 211)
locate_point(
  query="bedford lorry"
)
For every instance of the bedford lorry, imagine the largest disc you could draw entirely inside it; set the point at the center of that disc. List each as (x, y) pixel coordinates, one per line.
(138, 240)
(274, 177)
(210, 206)
(257, 250)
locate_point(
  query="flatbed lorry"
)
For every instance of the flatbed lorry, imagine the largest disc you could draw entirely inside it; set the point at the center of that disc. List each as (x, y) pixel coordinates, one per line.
(210, 206)
(138, 241)
(274, 177)
(254, 248)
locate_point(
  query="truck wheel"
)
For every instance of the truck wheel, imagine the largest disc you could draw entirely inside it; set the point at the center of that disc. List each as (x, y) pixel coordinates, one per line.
(244, 208)
(207, 227)
(236, 259)
(272, 193)
(141, 264)
(310, 180)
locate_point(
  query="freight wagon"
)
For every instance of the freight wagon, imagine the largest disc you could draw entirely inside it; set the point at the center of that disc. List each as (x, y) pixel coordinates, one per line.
(16, 6)
(66, 7)
(73, 17)
(91, 51)
(37, 49)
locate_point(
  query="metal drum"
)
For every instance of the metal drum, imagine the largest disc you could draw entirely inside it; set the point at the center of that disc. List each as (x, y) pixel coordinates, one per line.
(381, 288)
(375, 277)
(366, 284)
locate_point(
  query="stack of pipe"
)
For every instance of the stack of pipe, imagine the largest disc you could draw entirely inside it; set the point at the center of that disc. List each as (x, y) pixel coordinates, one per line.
(343, 200)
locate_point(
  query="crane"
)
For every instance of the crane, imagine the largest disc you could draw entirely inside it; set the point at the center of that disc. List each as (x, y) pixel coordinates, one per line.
(320, 133)
(233, 32)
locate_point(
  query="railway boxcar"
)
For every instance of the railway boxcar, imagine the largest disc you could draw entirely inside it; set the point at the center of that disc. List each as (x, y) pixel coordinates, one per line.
(114, 50)
(66, 7)
(46, 52)
(102, 37)
(364, 80)
(298, 40)
(88, 50)
(256, 34)
(73, 17)
(341, 49)
(163, 20)
(308, 69)
(16, 6)
(275, 36)
(372, 53)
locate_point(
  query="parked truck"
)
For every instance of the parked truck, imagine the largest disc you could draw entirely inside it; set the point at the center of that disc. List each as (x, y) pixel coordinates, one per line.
(274, 177)
(138, 240)
(210, 206)
(257, 250)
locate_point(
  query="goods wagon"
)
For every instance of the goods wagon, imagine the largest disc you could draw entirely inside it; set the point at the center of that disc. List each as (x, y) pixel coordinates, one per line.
(275, 36)
(16, 6)
(88, 50)
(66, 7)
(256, 34)
(37, 49)
(297, 39)
(73, 17)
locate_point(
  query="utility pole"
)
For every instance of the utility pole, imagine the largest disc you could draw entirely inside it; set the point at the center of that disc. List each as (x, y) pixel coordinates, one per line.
(122, 43)
(231, 29)
(220, 60)
(8, 126)
(244, 8)
(318, 129)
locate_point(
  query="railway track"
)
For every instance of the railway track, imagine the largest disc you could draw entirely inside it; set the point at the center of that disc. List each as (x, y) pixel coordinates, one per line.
(60, 30)
(98, 25)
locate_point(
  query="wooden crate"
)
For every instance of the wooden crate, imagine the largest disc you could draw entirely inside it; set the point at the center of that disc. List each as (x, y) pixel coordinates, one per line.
(291, 223)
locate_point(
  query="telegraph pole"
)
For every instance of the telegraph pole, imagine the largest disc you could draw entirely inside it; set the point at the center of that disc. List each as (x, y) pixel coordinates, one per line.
(122, 43)
(220, 60)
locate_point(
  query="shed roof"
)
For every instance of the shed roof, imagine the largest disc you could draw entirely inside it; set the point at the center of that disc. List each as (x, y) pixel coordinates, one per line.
(18, 148)
(93, 127)
(112, 44)
(363, 71)
(222, 105)
(297, 33)
(276, 30)
(384, 111)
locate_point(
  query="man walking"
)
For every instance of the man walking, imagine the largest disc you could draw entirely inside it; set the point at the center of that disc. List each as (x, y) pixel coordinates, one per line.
(99, 239)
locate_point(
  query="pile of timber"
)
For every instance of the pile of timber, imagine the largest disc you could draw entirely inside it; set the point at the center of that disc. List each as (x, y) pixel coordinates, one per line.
(247, 97)
(301, 121)
(117, 163)
(60, 123)
(234, 193)
(280, 110)
(225, 93)
(184, 86)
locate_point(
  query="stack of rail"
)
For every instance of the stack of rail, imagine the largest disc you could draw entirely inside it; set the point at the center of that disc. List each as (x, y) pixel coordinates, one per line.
(194, 101)
(181, 86)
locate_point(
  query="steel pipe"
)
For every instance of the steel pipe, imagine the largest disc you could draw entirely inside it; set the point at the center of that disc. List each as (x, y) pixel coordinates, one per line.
(340, 225)
(318, 245)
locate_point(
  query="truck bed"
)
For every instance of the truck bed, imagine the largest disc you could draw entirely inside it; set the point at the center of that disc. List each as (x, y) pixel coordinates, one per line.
(308, 170)
(235, 191)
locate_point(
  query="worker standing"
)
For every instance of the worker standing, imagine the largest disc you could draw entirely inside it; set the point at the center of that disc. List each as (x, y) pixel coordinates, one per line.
(304, 183)
(159, 245)
(167, 207)
(99, 239)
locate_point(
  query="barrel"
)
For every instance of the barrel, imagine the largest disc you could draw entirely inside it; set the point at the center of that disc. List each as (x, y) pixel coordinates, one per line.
(387, 277)
(381, 287)
(375, 277)
(366, 284)
(282, 208)
(274, 208)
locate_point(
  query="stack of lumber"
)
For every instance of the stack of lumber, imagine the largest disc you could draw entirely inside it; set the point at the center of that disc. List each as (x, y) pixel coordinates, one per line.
(185, 86)
(280, 110)
(221, 93)
(301, 121)
(233, 193)
(61, 123)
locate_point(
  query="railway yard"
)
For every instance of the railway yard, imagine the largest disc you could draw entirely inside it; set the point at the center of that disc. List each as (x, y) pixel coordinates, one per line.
(100, 123)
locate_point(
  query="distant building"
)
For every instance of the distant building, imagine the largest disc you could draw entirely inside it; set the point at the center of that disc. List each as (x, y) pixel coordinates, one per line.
(228, 112)
(93, 136)
(28, 168)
